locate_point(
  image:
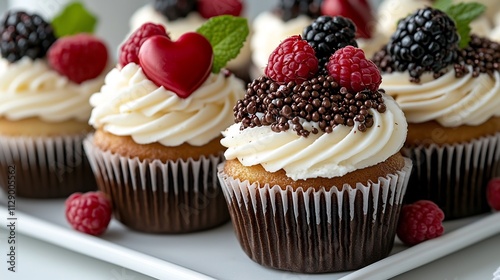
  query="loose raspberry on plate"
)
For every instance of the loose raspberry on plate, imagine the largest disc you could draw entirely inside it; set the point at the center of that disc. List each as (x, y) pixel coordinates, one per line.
(420, 221)
(80, 57)
(493, 193)
(350, 68)
(129, 51)
(89, 212)
(211, 8)
(294, 60)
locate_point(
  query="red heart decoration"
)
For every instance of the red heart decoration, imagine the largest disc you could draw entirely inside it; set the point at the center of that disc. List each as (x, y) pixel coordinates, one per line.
(180, 66)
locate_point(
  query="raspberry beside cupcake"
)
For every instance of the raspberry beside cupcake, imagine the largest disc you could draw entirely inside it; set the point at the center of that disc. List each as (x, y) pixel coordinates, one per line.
(313, 163)
(45, 84)
(450, 95)
(158, 120)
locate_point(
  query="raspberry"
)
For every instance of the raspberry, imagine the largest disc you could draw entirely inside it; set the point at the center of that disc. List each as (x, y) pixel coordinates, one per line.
(129, 51)
(80, 57)
(89, 212)
(493, 193)
(293, 60)
(420, 221)
(350, 68)
(24, 34)
(211, 8)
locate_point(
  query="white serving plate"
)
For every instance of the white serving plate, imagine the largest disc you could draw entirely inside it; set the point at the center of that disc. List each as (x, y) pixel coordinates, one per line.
(216, 253)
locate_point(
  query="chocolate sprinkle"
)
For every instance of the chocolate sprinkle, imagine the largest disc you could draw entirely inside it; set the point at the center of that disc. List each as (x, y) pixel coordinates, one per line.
(481, 53)
(320, 100)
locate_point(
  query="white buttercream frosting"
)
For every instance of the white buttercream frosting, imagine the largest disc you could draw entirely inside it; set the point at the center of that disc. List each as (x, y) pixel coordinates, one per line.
(31, 88)
(180, 26)
(450, 101)
(129, 104)
(269, 31)
(325, 155)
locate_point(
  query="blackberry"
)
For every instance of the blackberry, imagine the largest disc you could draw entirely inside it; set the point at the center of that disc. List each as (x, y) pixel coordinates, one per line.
(290, 9)
(328, 34)
(175, 9)
(23, 34)
(426, 41)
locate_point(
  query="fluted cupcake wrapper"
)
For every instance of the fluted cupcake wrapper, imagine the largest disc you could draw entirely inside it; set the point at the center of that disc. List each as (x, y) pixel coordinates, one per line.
(45, 167)
(315, 231)
(160, 197)
(454, 176)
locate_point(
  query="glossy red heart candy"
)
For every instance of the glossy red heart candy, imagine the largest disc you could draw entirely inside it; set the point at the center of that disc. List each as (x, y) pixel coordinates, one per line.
(180, 66)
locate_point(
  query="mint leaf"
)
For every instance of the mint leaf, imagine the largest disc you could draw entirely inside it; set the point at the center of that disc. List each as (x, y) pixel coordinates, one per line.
(74, 19)
(463, 14)
(226, 34)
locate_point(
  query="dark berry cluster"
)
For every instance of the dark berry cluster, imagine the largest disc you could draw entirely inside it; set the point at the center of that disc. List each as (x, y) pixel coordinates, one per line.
(23, 34)
(482, 54)
(319, 100)
(328, 34)
(426, 41)
(174, 9)
(290, 9)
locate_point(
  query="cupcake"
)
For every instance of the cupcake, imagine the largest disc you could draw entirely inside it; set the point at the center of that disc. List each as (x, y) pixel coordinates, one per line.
(313, 164)
(158, 120)
(389, 12)
(46, 80)
(181, 16)
(450, 95)
(292, 17)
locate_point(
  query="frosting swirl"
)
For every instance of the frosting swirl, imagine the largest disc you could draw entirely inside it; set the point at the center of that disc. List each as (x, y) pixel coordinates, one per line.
(129, 104)
(326, 155)
(449, 101)
(30, 88)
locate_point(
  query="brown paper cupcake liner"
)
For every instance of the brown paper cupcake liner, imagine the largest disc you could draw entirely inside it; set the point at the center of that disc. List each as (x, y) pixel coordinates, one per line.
(160, 197)
(316, 231)
(45, 167)
(454, 176)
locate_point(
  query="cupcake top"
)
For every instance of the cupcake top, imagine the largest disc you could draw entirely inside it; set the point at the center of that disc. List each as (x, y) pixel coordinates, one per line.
(311, 123)
(291, 17)
(172, 92)
(437, 74)
(182, 16)
(47, 71)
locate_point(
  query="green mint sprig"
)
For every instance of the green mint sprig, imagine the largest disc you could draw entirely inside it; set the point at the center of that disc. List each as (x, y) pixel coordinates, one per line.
(74, 19)
(226, 34)
(463, 14)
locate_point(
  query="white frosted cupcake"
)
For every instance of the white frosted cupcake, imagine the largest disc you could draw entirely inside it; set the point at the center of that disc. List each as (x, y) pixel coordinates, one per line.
(156, 146)
(44, 106)
(313, 164)
(450, 97)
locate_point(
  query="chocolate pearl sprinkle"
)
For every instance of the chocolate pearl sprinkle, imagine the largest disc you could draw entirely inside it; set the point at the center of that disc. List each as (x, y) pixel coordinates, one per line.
(320, 100)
